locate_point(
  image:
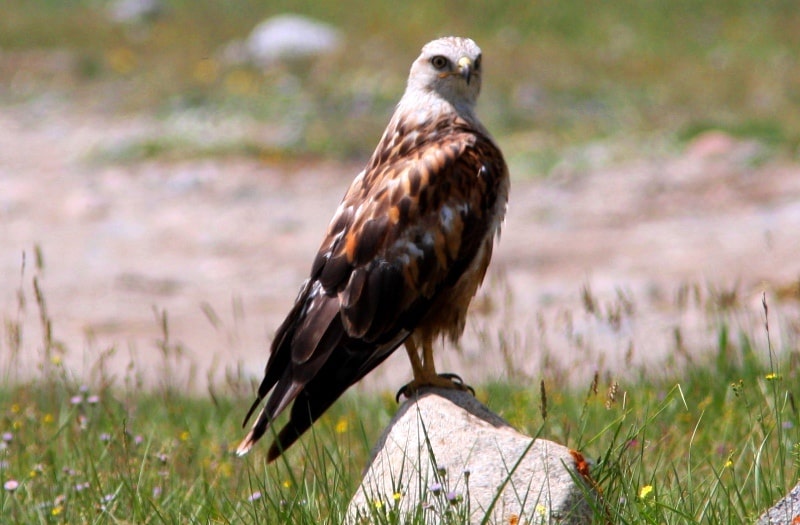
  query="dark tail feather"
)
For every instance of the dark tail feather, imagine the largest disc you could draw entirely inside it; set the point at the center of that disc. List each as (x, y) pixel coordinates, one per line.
(322, 336)
(267, 414)
(253, 408)
(246, 444)
(340, 372)
(307, 408)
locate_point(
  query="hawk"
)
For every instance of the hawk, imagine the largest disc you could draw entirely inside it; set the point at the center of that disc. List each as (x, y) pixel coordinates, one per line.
(404, 254)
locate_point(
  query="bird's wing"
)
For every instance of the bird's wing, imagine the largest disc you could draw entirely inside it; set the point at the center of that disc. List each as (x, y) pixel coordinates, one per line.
(408, 226)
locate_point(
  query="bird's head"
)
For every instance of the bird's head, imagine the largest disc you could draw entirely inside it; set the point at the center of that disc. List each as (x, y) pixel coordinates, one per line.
(451, 68)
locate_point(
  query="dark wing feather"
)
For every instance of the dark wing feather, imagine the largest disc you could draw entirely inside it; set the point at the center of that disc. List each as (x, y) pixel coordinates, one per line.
(346, 367)
(408, 226)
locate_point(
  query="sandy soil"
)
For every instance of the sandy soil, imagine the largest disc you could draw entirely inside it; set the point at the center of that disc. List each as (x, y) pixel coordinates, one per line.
(236, 237)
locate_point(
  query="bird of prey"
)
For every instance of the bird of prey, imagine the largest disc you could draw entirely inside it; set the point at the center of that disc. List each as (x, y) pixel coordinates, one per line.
(404, 254)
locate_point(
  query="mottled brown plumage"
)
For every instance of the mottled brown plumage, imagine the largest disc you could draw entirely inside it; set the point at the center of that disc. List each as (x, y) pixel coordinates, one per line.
(403, 255)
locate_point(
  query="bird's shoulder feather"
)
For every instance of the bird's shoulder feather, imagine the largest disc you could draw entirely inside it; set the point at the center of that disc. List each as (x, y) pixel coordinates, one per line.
(409, 224)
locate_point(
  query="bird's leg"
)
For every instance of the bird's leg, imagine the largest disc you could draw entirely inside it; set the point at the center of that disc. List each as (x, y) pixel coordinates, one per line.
(428, 366)
(416, 363)
(425, 372)
(431, 378)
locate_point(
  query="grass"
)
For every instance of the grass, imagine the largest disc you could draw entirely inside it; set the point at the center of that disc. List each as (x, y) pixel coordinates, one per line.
(717, 442)
(559, 73)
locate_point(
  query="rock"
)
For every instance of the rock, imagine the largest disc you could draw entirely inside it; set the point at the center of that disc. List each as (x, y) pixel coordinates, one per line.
(785, 512)
(134, 11)
(289, 37)
(712, 143)
(444, 453)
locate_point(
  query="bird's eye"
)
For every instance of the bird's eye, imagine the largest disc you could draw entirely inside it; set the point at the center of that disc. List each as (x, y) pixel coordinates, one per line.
(439, 62)
(478, 62)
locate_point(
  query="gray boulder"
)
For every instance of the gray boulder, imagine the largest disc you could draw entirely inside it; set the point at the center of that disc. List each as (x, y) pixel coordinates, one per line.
(446, 458)
(135, 11)
(284, 38)
(785, 512)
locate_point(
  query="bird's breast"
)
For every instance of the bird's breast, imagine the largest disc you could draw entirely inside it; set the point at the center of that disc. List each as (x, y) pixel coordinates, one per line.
(448, 312)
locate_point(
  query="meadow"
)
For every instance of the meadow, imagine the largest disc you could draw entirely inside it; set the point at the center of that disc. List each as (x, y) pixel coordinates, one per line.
(715, 440)
(560, 74)
(718, 442)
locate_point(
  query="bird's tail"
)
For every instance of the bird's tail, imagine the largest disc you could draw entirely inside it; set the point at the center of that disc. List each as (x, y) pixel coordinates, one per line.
(250, 439)
(278, 401)
(246, 444)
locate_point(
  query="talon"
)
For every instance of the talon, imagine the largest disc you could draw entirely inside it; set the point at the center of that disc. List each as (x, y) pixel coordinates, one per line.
(455, 378)
(446, 380)
(402, 392)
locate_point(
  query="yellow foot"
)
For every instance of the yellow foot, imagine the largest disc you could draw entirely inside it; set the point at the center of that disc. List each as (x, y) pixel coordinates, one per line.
(448, 381)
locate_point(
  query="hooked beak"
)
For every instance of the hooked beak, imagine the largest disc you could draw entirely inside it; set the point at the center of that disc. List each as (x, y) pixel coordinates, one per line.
(465, 68)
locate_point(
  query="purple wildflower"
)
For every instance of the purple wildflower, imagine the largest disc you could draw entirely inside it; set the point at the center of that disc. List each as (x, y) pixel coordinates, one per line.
(11, 485)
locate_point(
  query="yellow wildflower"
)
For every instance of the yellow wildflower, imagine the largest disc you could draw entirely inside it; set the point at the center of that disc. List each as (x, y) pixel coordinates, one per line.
(206, 71)
(241, 82)
(645, 491)
(225, 470)
(121, 59)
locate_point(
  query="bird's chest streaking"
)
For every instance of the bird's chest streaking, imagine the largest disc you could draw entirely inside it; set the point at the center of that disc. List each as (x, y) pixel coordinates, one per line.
(458, 201)
(448, 312)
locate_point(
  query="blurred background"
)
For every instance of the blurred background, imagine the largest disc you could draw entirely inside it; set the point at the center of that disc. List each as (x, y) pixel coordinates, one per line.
(168, 167)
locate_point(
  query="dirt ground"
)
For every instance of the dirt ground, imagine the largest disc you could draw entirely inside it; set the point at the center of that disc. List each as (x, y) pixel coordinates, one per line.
(657, 239)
